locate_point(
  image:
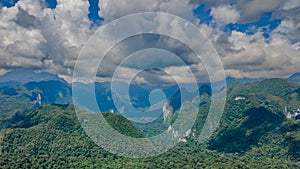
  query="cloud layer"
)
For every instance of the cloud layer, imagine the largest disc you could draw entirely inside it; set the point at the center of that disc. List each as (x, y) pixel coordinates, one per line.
(36, 37)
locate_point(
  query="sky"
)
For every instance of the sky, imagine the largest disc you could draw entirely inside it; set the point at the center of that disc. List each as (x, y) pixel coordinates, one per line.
(254, 38)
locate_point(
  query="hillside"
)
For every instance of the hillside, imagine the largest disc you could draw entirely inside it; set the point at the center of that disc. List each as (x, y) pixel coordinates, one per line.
(255, 120)
(19, 98)
(51, 136)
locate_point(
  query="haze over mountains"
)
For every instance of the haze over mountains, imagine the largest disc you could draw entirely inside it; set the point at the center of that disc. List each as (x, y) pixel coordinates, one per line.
(21, 77)
(55, 90)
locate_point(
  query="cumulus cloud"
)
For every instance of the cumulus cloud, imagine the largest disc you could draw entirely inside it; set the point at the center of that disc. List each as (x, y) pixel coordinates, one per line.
(114, 9)
(254, 55)
(36, 37)
(250, 11)
(225, 14)
(291, 4)
(251, 56)
(290, 26)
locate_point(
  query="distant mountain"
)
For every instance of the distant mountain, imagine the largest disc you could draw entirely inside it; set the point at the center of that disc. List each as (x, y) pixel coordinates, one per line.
(52, 92)
(15, 99)
(231, 80)
(102, 93)
(139, 94)
(9, 83)
(138, 98)
(295, 77)
(56, 90)
(24, 76)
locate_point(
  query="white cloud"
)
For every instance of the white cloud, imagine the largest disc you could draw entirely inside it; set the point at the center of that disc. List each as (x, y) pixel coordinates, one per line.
(258, 58)
(114, 9)
(290, 25)
(225, 14)
(252, 10)
(287, 27)
(291, 4)
(41, 38)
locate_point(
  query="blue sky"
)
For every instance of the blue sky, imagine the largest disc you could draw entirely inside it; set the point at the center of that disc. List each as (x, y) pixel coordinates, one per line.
(93, 9)
(266, 24)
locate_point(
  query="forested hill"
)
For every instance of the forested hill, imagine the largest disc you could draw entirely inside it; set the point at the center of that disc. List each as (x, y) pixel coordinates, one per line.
(51, 137)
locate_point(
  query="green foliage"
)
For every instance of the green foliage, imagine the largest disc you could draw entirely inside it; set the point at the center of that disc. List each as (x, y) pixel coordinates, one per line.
(13, 100)
(10, 92)
(122, 125)
(257, 123)
(153, 128)
(54, 139)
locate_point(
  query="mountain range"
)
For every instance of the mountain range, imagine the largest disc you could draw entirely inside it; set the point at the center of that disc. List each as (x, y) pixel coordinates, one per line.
(21, 77)
(254, 132)
(31, 89)
(27, 86)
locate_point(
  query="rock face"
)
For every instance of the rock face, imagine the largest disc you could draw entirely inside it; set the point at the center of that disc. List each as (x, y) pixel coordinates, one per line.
(182, 137)
(39, 100)
(238, 98)
(167, 112)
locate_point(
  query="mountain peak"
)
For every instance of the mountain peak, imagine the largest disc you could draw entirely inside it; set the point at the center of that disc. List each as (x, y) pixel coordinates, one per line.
(294, 77)
(25, 76)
